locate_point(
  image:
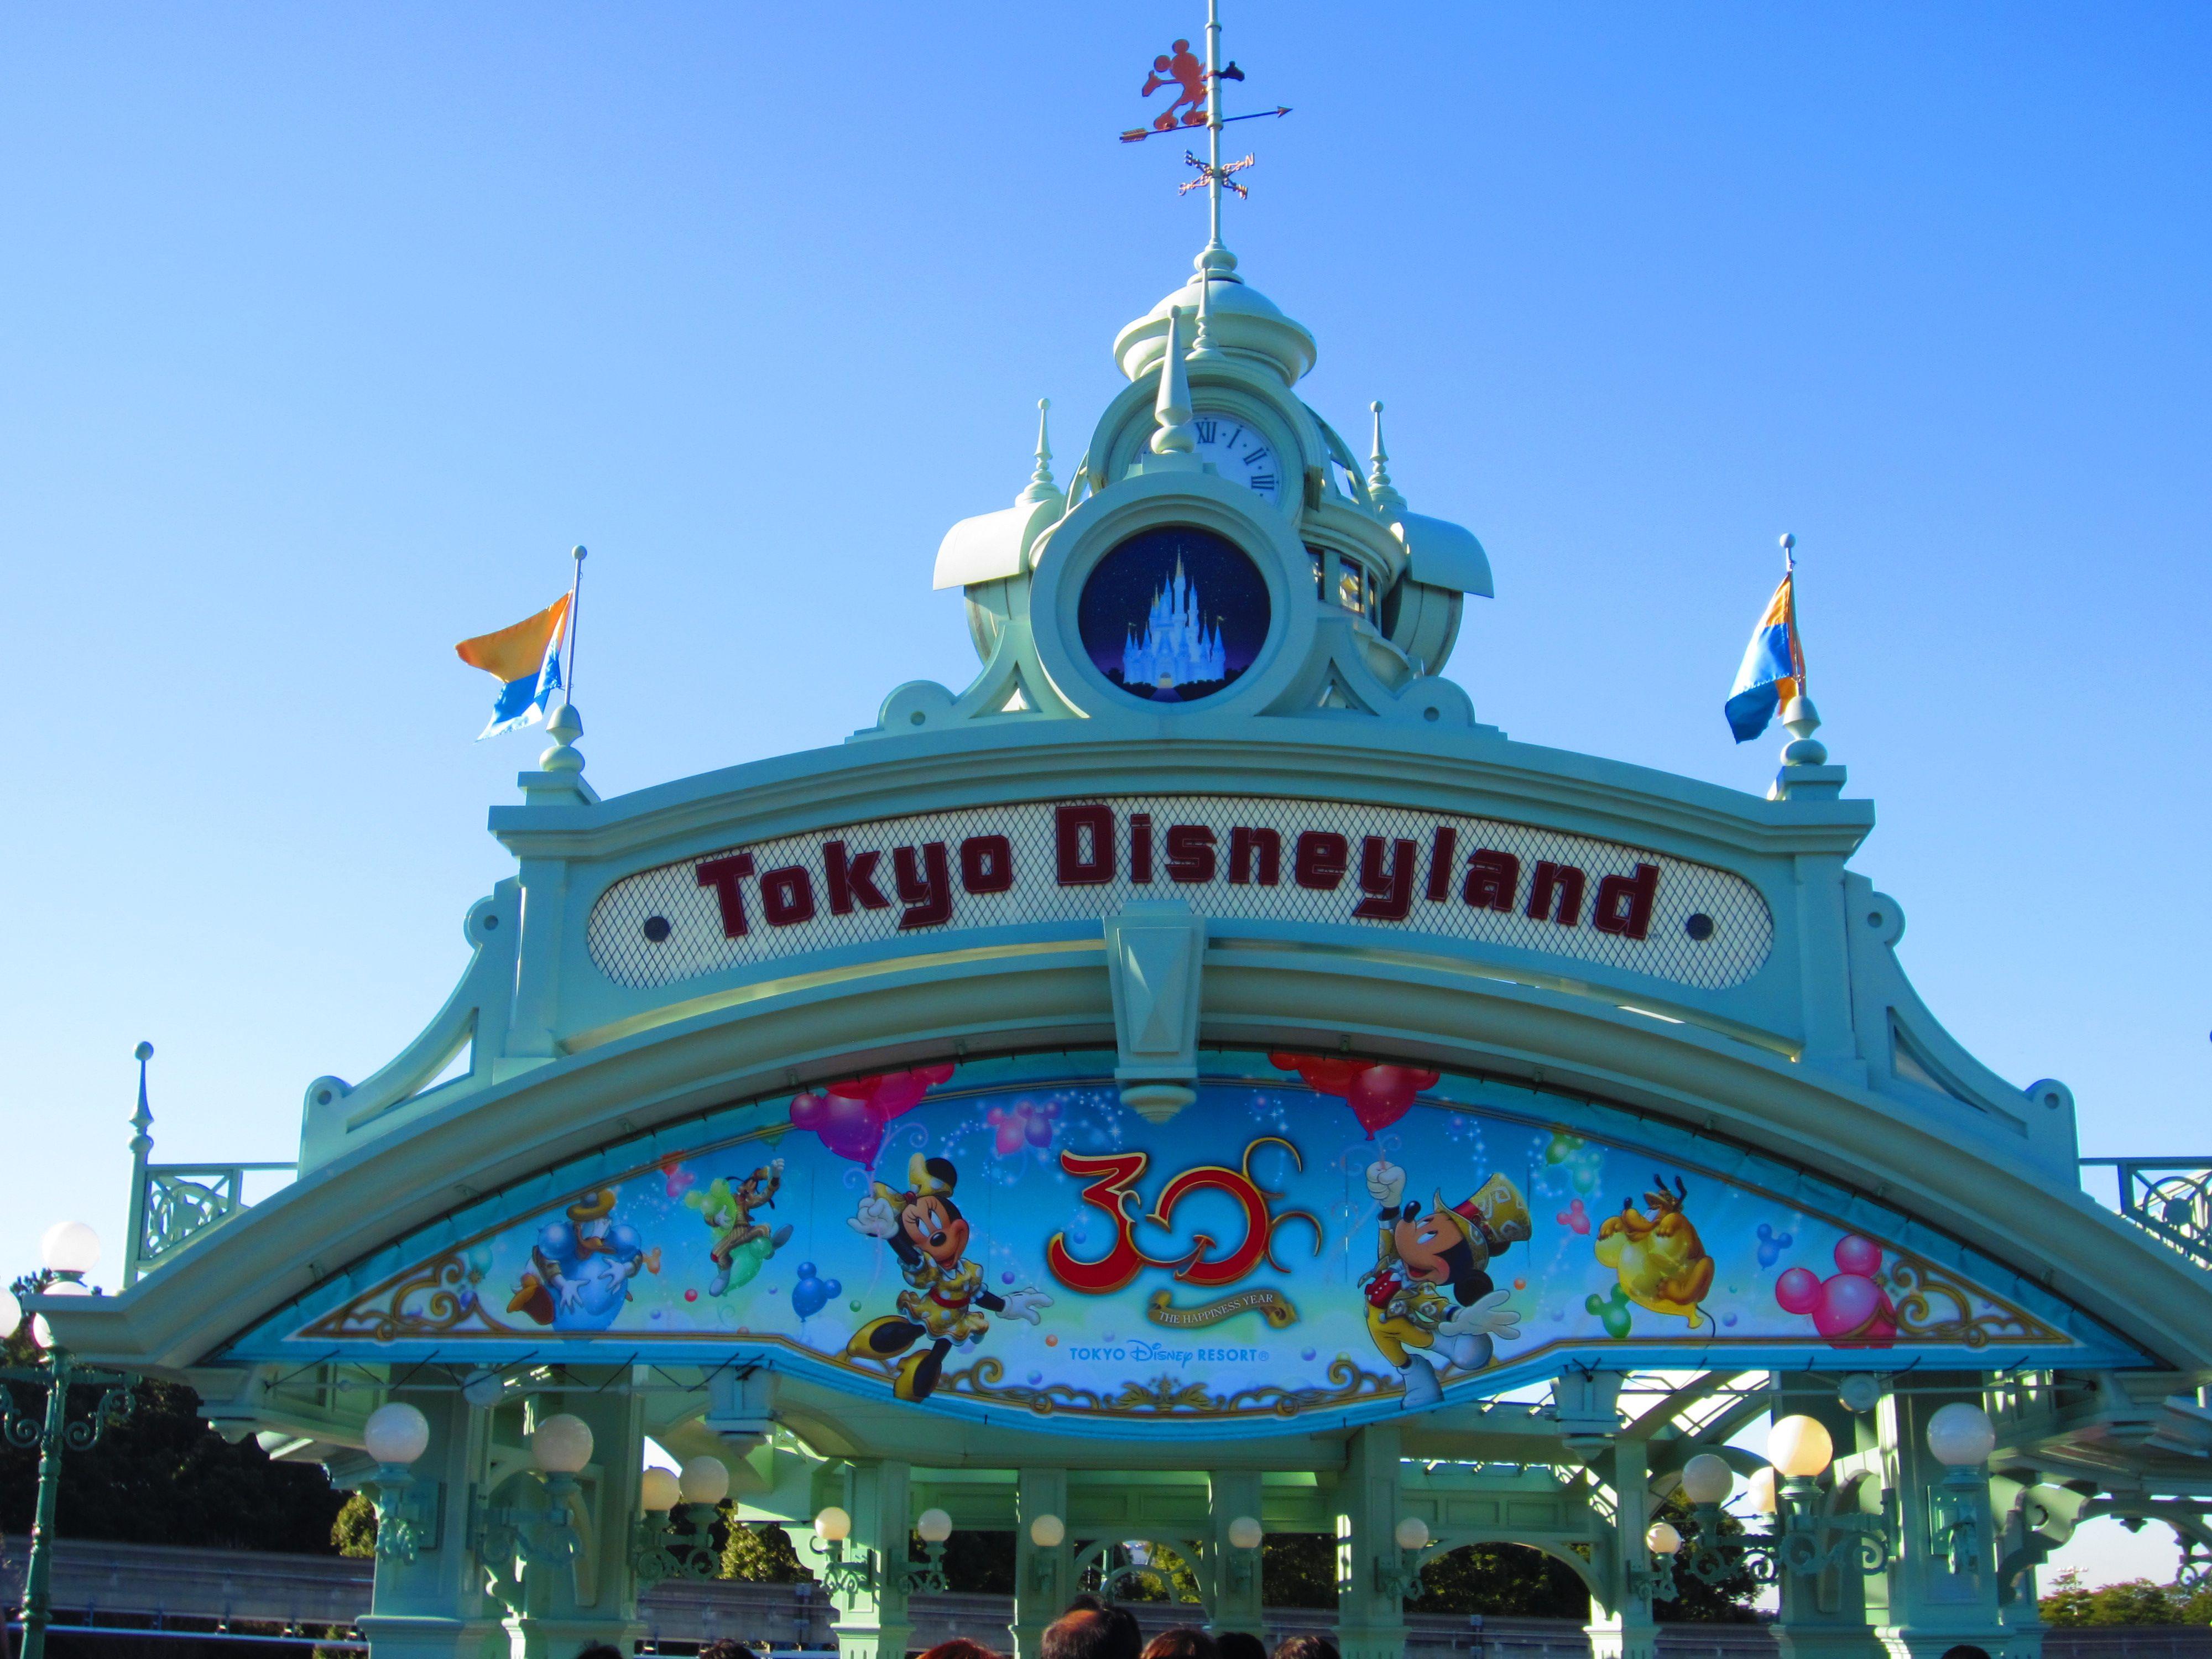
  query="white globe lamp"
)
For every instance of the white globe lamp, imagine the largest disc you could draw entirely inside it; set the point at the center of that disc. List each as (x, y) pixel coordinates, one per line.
(1245, 1534)
(69, 1248)
(561, 1444)
(396, 1434)
(705, 1480)
(11, 1313)
(1661, 1538)
(1707, 1479)
(658, 1491)
(1048, 1531)
(1799, 1447)
(1759, 1489)
(1411, 1532)
(1961, 1435)
(833, 1525)
(934, 1526)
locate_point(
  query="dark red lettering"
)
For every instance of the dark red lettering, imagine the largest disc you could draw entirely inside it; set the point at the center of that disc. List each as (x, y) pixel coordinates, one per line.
(1556, 894)
(1390, 890)
(1624, 902)
(723, 875)
(1079, 868)
(925, 885)
(1190, 852)
(1492, 879)
(851, 878)
(787, 896)
(986, 863)
(1442, 848)
(1140, 848)
(1249, 848)
(1321, 859)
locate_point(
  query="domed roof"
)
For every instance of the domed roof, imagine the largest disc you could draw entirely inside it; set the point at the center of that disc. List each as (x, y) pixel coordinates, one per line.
(1245, 323)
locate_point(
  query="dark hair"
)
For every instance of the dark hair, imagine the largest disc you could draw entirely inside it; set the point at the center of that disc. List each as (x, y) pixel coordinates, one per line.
(726, 1647)
(961, 1648)
(599, 1651)
(1093, 1632)
(1468, 1281)
(1306, 1647)
(1183, 1642)
(1240, 1644)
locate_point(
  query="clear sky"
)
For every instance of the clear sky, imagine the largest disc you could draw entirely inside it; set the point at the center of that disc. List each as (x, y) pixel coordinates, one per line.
(327, 331)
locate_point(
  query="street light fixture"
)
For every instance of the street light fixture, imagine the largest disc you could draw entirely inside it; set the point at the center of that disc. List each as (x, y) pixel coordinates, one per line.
(67, 1252)
(1961, 1436)
(663, 1549)
(1803, 1539)
(395, 1436)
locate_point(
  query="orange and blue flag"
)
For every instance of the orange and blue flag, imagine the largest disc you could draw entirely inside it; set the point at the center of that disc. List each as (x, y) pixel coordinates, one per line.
(1773, 669)
(525, 659)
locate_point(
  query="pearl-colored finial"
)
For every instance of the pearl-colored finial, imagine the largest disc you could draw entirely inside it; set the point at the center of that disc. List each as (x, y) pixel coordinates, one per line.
(1380, 491)
(564, 728)
(1172, 408)
(1041, 486)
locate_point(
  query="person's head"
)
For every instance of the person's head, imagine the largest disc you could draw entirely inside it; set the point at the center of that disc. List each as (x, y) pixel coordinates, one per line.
(1306, 1647)
(1093, 1632)
(725, 1647)
(599, 1651)
(1183, 1642)
(1240, 1644)
(960, 1648)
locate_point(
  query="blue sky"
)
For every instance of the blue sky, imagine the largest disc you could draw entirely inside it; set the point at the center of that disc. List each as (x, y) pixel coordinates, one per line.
(327, 330)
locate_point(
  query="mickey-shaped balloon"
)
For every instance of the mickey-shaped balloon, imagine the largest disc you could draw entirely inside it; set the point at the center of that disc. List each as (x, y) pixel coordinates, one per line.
(1378, 1093)
(810, 1295)
(850, 1116)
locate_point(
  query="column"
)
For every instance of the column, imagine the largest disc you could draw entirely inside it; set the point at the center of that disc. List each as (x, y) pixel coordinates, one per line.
(1620, 1625)
(591, 1596)
(1236, 1602)
(1929, 1607)
(1371, 1621)
(1823, 1615)
(1044, 1578)
(874, 1624)
(433, 1607)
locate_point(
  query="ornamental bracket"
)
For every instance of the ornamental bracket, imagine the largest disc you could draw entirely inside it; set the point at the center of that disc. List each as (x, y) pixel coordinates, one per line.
(1155, 956)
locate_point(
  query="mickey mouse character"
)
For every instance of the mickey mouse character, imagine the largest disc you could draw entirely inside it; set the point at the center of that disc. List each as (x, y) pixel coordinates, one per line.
(1448, 1248)
(946, 1301)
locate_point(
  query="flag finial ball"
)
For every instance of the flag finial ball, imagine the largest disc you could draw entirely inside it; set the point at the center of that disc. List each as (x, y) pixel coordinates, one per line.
(1789, 543)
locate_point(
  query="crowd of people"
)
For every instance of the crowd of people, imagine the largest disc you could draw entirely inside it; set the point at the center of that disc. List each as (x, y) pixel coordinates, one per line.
(1091, 1628)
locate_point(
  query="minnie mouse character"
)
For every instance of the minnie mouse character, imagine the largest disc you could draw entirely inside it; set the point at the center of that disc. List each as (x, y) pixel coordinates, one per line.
(945, 1300)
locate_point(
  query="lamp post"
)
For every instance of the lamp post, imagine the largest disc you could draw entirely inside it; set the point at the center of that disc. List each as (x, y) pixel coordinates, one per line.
(662, 1549)
(395, 1436)
(509, 1541)
(1403, 1579)
(1799, 1450)
(1246, 1534)
(67, 1252)
(1048, 1531)
(1961, 1438)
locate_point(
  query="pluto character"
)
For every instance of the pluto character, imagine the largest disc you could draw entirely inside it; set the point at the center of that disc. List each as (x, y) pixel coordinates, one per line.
(729, 1211)
(1429, 1300)
(580, 1267)
(944, 1300)
(1661, 1261)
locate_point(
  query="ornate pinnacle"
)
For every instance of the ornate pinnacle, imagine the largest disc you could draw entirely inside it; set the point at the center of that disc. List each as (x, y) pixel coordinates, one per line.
(1172, 409)
(1041, 486)
(1380, 491)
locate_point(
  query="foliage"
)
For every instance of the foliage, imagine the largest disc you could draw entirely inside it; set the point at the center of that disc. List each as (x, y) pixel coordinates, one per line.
(761, 1554)
(1727, 1602)
(2135, 1601)
(1507, 1579)
(977, 1563)
(354, 1532)
(166, 1478)
(1298, 1570)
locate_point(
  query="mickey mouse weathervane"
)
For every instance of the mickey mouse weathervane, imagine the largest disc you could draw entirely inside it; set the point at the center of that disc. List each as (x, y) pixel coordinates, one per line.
(1198, 104)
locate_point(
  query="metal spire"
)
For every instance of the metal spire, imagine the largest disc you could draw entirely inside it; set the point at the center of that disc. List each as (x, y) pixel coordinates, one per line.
(1041, 486)
(1216, 255)
(1172, 408)
(1380, 491)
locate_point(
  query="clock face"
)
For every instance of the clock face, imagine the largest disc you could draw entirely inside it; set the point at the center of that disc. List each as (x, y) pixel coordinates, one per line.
(1239, 452)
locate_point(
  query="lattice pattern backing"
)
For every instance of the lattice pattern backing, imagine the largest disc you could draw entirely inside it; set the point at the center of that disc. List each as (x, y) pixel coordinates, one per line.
(1707, 928)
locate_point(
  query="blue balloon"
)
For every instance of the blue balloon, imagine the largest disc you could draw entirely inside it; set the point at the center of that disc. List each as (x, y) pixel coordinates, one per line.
(623, 1241)
(809, 1294)
(1771, 1244)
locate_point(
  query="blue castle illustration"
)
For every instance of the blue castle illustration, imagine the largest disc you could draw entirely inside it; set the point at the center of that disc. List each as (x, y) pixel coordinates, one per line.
(1178, 648)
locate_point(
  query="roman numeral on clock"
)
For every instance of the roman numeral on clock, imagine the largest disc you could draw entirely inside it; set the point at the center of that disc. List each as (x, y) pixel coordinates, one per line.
(1263, 481)
(1205, 431)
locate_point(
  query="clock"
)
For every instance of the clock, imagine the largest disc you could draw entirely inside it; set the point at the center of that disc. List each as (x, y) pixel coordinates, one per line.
(1240, 452)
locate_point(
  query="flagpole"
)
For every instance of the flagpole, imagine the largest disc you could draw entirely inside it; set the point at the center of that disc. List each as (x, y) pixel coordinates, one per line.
(576, 600)
(1789, 575)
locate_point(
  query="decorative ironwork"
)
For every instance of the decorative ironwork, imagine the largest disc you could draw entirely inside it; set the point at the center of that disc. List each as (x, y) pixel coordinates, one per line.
(1209, 173)
(173, 1204)
(661, 1550)
(1915, 1281)
(1169, 1396)
(507, 1541)
(53, 1432)
(432, 1300)
(1805, 1538)
(2170, 1198)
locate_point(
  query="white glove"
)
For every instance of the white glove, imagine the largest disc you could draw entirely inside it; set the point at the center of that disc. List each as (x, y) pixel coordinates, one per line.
(1023, 1303)
(777, 1166)
(1487, 1316)
(876, 1218)
(571, 1295)
(1386, 1183)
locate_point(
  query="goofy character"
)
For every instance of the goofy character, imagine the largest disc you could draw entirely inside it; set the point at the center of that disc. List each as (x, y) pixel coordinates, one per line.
(729, 1212)
(1415, 1324)
(945, 1300)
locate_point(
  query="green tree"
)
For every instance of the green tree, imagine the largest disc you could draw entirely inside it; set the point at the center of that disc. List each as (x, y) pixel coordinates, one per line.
(1298, 1570)
(1511, 1580)
(2132, 1602)
(1727, 1603)
(354, 1532)
(760, 1553)
(165, 1477)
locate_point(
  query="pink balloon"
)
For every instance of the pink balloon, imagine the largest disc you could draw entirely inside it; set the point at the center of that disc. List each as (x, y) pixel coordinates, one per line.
(1380, 1094)
(851, 1128)
(1798, 1291)
(1853, 1312)
(1855, 1254)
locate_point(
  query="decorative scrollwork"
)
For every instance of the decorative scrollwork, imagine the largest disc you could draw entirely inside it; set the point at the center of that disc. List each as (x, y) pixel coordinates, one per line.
(2171, 1200)
(180, 1204)
(1166, 1396)
(1915, 1282)
(434, 1299)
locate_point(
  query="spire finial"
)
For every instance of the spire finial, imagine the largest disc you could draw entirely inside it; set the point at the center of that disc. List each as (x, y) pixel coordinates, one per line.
(1201, 345)
(1380, 491)
(1041, 486)
(142, 1119)
(1172, 408)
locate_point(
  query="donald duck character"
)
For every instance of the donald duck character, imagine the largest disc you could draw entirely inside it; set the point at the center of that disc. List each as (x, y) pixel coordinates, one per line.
(1413, 1323)
(580, 1268)
(944, 1300)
